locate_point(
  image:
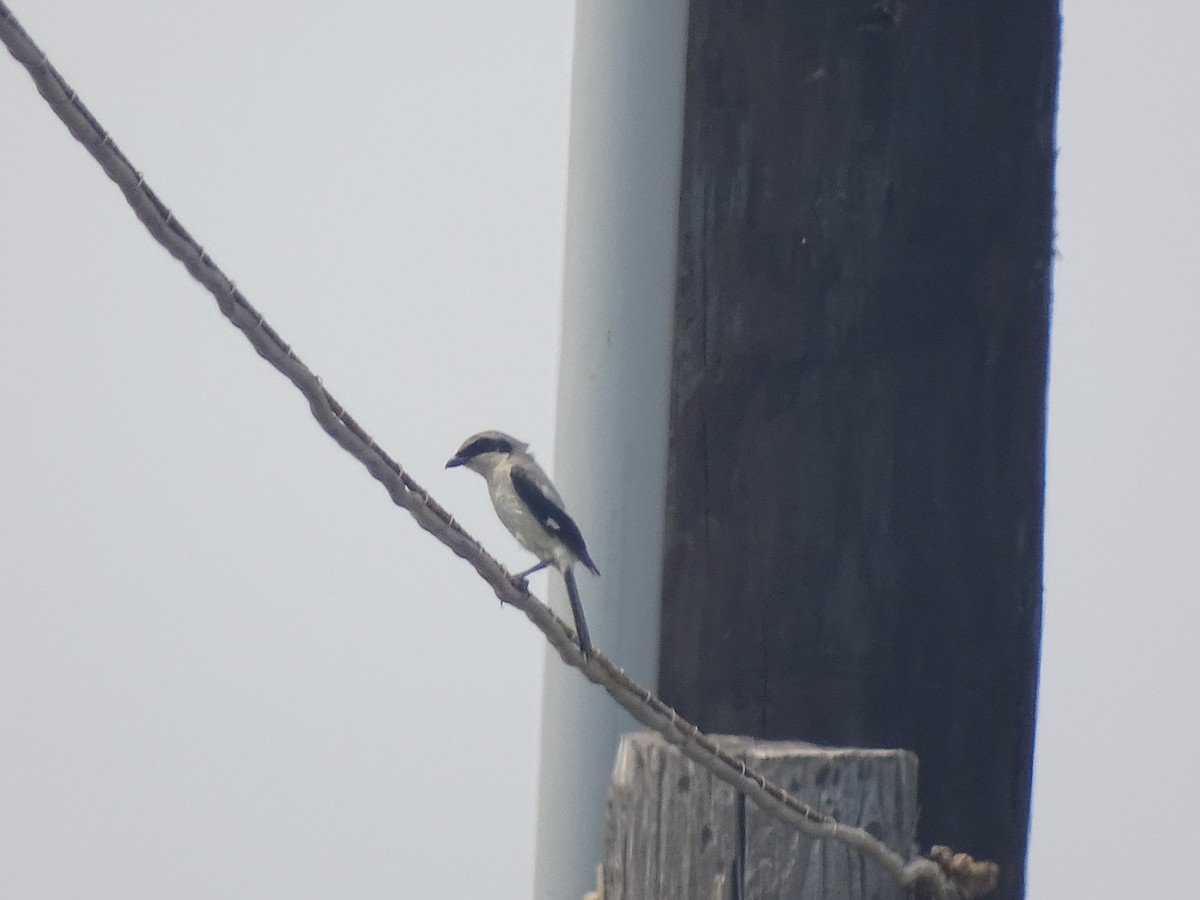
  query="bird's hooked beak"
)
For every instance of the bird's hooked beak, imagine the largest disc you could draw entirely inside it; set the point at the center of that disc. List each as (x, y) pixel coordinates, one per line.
(454, 462)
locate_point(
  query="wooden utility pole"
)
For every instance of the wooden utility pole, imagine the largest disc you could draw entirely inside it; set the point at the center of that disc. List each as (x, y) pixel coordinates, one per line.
(857, 428)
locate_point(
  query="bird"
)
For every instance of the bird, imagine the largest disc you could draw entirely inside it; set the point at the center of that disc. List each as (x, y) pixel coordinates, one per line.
(531, 508)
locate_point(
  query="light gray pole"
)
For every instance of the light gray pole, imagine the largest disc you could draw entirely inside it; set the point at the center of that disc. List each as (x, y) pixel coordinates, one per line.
(614, 383)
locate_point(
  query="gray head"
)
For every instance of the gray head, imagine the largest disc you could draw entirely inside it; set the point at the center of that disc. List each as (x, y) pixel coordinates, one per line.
(484, 451)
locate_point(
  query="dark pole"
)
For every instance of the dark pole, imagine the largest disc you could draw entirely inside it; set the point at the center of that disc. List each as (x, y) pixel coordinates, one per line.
(855, 479)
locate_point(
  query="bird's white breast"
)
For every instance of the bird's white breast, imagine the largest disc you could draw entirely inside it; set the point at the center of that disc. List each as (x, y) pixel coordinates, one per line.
(521, 522)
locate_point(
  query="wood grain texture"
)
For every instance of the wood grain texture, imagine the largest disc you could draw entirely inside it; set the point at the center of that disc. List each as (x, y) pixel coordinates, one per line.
(675, 833)
(856, 466)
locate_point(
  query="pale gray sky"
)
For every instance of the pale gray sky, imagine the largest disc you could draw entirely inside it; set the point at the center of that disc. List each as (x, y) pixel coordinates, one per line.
(229, 667)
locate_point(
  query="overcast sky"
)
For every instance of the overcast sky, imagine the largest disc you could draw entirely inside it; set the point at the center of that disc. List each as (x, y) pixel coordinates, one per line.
(230, 667)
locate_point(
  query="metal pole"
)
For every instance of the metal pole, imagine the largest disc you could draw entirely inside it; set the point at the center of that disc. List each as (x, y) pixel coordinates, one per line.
(613, 390)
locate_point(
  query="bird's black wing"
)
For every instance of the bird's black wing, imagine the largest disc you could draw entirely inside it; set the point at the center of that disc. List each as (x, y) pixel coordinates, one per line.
(551, 516)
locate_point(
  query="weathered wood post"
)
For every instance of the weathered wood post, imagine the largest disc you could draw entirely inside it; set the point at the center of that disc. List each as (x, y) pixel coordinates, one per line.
(677, 833)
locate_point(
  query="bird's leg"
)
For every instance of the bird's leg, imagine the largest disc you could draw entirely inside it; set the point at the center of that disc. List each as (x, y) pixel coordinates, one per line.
(524, 575)
(521, 578)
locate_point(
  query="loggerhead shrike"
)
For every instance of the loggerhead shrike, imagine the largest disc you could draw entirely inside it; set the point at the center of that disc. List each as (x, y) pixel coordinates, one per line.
(530, 507)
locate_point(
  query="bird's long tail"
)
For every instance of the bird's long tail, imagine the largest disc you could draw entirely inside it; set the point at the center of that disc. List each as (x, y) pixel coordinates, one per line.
(585, 641)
